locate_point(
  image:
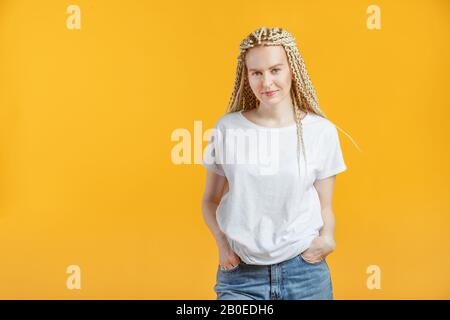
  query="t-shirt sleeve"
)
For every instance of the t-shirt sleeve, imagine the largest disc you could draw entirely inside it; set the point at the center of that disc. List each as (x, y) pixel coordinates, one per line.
(332, 161)
(211, 155)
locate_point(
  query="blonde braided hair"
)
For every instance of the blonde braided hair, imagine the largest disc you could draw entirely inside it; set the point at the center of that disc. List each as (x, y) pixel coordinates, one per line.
(303, 94)
(302, 91)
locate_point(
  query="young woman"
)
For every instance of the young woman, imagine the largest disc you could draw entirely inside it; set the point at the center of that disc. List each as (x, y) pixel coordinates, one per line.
(273, 225)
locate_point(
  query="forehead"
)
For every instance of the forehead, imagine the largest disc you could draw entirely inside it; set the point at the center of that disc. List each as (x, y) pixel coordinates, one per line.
(262, 57)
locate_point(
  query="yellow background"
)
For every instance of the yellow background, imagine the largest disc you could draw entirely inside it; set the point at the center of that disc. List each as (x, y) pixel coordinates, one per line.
(87, 115)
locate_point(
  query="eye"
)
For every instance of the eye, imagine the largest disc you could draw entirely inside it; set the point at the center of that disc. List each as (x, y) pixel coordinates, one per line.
(257, 72)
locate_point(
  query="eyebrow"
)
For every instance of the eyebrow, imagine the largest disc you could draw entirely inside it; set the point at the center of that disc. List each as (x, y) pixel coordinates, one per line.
(278, 64)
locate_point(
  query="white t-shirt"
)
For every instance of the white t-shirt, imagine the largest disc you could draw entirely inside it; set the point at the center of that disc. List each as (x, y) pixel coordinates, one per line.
(271, 211)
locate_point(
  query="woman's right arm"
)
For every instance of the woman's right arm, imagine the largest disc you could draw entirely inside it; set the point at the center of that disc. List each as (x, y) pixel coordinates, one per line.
(214, 189)
(216, 186)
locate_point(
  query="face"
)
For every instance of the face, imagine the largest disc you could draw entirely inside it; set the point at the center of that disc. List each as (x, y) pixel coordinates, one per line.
(269, 74)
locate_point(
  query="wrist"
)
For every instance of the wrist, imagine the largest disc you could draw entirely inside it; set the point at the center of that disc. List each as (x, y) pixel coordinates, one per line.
(222, 242)
(329, 238)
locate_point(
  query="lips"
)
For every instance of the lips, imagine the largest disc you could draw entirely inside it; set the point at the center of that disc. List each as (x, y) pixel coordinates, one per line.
(270, 93)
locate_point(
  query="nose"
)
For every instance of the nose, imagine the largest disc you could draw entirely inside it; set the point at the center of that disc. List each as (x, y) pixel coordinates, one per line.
(267, 82)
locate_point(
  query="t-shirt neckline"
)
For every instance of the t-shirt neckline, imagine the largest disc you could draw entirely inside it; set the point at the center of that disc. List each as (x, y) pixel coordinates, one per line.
(305, 119)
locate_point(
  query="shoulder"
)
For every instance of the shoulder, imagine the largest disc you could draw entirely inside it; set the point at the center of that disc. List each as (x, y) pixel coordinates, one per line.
(229, 119)
(322, 124)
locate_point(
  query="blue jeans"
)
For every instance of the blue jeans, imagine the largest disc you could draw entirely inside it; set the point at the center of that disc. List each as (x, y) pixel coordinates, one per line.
(293, 279)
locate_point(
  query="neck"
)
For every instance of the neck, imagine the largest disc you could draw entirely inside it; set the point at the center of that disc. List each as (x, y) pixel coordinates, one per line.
(280, 113)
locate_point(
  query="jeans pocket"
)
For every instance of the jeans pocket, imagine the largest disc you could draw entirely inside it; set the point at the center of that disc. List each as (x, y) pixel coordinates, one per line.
(310, 263)
(229, 270)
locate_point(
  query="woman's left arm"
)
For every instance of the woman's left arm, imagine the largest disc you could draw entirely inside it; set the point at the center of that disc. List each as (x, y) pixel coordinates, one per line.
(324, 244)
(325, 188)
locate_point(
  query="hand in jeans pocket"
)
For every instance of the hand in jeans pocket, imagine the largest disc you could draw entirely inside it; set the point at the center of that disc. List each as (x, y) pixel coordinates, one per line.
(320, 247)
(228, 259)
